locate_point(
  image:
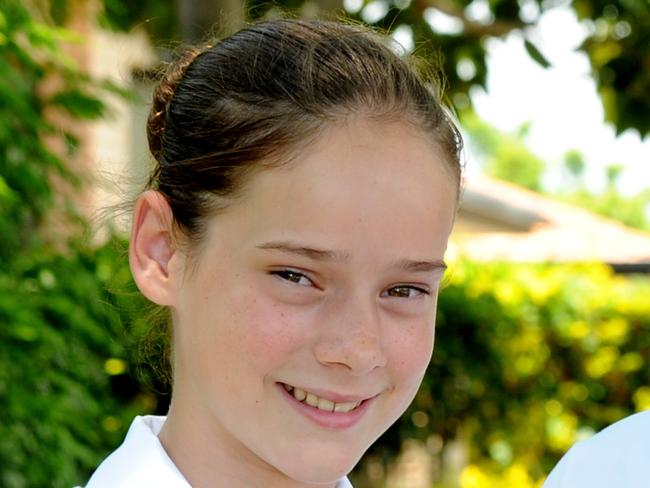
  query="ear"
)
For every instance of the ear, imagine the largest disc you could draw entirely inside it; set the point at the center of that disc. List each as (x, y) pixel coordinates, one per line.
(152, 251)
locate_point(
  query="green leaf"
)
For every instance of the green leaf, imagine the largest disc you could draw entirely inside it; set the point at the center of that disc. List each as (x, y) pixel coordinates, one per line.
(536, 54)
(79, 104)
(6, 193)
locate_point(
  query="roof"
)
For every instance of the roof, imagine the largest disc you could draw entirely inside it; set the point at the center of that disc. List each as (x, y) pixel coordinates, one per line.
(501, 221)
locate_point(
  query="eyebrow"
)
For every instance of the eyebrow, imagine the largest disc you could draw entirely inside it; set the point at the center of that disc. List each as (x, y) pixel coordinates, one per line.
(421, 266)
(327, 255)
(308, 252)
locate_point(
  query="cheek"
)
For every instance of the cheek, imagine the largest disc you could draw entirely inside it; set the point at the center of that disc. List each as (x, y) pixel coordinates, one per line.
(264, 332)
(409, 352)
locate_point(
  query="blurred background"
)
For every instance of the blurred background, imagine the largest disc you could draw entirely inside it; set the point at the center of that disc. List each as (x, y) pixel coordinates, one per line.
(543, 331)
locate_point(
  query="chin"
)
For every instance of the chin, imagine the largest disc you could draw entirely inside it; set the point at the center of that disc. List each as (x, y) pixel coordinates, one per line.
(319, 466)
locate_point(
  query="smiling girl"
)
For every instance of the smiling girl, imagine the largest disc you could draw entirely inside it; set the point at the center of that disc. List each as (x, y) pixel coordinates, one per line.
(295, 227)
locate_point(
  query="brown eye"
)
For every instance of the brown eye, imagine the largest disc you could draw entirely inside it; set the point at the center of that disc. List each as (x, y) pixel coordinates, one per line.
(404, 291)
(293, 277)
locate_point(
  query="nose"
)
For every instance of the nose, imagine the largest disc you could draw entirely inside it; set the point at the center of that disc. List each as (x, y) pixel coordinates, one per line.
(352, 338)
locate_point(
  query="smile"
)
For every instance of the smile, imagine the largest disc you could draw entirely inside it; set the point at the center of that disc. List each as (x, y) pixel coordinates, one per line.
(320, 403)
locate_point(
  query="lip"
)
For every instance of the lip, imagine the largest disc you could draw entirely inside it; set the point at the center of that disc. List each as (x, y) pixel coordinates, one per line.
(323, 418)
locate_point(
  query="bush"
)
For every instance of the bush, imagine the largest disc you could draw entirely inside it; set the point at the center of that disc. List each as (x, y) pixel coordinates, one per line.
(66, 396)
(529, 359)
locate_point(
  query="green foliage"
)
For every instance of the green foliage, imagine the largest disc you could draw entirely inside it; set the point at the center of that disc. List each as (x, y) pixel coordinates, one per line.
(505, 156)
(66, 396)
(629, 210)
(575, 164)
(536, 54)
(617, 46)
(618, 42)
(30, 58)
(159, 18)
(529, 359)
(65, 392)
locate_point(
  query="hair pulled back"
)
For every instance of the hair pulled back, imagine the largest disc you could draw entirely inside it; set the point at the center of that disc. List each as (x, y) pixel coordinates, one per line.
(261, 94)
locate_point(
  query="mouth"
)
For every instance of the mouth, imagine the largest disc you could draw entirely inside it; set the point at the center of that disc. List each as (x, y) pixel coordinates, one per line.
(321, 403)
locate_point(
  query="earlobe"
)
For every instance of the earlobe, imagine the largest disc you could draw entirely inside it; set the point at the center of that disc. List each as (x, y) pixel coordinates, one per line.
(151, 249)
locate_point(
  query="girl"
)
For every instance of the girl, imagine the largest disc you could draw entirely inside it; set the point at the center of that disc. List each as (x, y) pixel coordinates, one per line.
(295, 227)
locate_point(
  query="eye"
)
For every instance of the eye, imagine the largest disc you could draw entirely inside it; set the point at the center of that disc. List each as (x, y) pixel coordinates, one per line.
(405, 291)
(293, 277)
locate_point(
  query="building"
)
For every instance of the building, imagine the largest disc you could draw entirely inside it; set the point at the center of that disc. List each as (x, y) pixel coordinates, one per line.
(501, 221)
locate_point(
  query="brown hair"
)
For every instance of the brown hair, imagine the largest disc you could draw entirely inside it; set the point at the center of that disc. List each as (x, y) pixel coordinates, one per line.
(251, 99)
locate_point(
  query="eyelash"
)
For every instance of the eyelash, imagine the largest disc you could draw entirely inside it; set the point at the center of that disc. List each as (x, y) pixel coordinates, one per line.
(295, 277)
(417, 289)
(287, 274)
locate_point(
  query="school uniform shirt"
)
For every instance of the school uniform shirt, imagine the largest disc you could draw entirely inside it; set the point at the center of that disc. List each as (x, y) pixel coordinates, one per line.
(141, 461)
(617, 457)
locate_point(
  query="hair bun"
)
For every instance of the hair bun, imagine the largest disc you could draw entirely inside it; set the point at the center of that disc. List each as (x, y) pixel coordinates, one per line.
(162, 96)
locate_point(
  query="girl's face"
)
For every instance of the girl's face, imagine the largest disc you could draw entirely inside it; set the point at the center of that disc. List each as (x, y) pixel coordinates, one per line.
(305, 328)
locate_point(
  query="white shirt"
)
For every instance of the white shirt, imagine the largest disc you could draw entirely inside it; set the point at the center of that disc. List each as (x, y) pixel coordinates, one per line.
(617, 457)
(141, 461)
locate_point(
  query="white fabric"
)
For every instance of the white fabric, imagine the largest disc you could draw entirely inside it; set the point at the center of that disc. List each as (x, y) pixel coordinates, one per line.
(617, 457)
(141, 461)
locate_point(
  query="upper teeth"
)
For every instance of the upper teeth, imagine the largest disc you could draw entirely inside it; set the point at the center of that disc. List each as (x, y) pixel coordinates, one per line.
(320, 403)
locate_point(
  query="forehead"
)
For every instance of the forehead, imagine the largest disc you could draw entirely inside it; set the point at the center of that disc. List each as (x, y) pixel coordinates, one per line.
(366, 146)
(361, 158)
(358, 181)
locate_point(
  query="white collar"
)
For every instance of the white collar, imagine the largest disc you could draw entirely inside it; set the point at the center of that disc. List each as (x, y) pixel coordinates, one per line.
(141, 461)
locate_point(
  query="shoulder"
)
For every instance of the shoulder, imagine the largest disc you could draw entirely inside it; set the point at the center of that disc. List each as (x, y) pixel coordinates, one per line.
(140, 461)
(617, 456)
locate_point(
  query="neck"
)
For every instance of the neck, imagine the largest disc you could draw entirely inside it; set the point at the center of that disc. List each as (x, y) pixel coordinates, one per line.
(208, 455)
